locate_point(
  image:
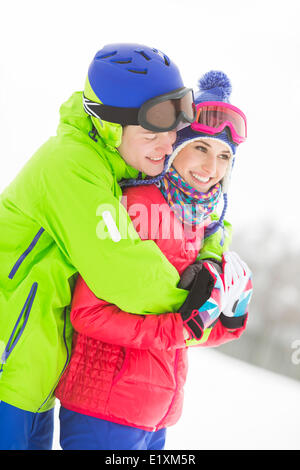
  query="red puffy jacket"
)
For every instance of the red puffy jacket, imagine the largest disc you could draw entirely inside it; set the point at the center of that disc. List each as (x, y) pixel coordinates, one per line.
(126, 368)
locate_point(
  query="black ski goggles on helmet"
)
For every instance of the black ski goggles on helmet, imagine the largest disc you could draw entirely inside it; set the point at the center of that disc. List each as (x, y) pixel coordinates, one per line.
(160, 114)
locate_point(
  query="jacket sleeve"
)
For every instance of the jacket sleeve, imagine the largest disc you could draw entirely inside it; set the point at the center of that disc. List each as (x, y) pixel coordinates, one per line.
(100, 320)
(224, 330)
(75, 190)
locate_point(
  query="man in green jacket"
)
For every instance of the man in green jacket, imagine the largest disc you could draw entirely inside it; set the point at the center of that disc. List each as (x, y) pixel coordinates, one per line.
(62, 215)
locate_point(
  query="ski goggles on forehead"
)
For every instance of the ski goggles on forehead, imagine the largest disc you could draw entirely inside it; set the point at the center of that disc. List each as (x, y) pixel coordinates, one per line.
(160, 114)
(213, 116)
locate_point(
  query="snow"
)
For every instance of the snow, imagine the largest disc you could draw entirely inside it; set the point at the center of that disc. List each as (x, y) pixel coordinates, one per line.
(232, 405)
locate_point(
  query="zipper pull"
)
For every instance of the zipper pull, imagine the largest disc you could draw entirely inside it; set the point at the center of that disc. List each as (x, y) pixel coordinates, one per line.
(93, 134)
(3, 360)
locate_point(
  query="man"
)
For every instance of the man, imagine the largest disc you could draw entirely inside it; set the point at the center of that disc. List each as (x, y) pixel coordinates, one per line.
(62, 215)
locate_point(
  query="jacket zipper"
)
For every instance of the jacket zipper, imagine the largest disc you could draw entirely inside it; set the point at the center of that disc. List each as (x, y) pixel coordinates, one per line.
(12, 342)
(10, 347)
(29, 301)
(65, 365)
(26, 253)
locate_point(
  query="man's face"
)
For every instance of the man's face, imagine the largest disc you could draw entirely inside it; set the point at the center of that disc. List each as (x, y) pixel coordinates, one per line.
(145, 150)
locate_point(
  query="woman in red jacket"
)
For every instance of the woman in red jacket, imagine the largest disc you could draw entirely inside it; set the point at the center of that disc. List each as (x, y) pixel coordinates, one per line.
(124, 384)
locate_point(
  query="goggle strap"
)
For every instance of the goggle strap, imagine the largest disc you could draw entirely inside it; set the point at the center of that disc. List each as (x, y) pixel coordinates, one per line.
(115, 114)
(131, 116)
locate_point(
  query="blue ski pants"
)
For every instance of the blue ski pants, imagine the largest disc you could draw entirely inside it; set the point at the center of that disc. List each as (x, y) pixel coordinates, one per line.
(82, 432)
(23, 430)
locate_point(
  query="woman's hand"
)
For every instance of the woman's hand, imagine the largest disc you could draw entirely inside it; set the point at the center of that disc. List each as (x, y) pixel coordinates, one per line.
(238, 285)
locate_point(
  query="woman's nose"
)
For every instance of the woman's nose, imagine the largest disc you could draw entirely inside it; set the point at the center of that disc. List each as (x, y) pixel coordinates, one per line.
(210, 165)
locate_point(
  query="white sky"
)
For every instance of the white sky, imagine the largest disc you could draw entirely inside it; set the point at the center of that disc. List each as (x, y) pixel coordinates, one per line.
(46, 48)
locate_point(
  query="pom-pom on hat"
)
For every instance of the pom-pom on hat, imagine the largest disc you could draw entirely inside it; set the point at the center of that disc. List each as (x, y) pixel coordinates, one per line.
(213, 86)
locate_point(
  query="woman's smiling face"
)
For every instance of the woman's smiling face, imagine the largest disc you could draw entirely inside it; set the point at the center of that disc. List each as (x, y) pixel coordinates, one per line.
(203, 163)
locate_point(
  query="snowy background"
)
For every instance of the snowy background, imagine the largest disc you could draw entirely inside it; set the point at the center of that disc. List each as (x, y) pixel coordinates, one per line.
(230, 405)
(250, 387)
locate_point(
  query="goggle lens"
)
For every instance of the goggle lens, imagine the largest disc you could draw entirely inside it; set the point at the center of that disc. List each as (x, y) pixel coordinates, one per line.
(212, 118)
(162, 115)
(187, 106)
(165, 114)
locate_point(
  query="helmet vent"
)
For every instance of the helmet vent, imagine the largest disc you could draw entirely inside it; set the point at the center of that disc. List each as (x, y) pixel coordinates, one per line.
(167, 60)
(105, 56)
(143, 53)
(140, 71)
(163, 56)
(121, 61)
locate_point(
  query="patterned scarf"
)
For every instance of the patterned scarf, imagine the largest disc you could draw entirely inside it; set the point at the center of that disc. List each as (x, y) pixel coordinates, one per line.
(189, 205)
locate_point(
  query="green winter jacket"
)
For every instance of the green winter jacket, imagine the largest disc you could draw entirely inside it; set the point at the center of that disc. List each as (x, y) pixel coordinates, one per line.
(53, 226)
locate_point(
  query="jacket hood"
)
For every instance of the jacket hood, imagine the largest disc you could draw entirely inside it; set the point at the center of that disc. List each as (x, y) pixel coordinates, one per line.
(74, 119)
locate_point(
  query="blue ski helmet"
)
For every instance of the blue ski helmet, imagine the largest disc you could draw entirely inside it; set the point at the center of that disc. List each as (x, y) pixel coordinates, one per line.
(127, 75)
